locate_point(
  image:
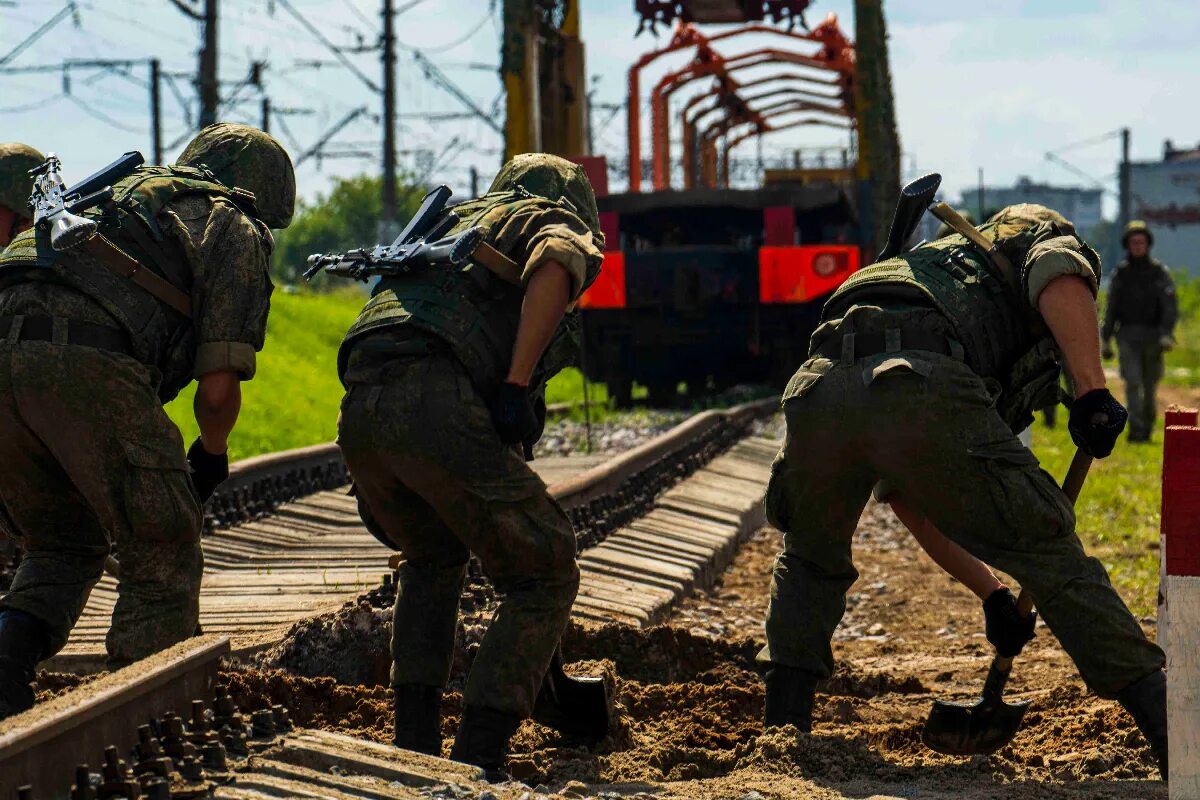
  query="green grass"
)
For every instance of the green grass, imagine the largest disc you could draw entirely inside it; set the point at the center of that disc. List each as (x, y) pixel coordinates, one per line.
(1183, 363)
(293, 401)
(1118, 510)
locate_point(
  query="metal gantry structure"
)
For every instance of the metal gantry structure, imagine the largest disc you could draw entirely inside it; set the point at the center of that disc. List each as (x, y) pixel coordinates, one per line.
(816, 90)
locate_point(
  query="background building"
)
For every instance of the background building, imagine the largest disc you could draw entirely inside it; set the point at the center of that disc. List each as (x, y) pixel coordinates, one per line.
(1166, 194)
(1081, 206)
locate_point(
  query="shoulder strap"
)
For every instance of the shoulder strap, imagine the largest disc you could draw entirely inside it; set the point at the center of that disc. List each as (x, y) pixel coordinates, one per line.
(119, 262)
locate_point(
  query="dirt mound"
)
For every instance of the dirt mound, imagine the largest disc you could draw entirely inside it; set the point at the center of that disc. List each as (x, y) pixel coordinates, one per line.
(688, 702)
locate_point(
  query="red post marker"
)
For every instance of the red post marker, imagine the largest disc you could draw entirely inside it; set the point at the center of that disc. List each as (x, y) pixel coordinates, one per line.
(1179, 617)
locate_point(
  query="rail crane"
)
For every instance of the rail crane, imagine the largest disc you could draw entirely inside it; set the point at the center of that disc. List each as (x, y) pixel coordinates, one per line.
(707, 283)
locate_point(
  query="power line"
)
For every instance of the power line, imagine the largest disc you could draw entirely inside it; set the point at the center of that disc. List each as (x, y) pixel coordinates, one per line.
(320, 37)
(100, 115)
(329, 134)
(42, 30)
(437, 77)
(440, 48)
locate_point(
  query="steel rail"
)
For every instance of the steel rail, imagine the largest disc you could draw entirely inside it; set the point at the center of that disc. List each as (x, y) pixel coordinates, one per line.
(40, 746)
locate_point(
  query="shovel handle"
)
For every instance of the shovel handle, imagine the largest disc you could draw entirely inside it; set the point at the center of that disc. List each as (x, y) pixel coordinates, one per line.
(1072, 485)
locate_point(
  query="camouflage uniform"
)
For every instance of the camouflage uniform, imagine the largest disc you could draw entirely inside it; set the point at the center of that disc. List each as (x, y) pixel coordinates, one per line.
(1141, 311)
(421, 364)
(89, 458)
(16, 185)
(922, 370)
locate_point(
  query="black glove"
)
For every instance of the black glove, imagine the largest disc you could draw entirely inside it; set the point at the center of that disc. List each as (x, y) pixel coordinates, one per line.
(1097, 419)
(208, 470)
(512, 414)
(1007, 630)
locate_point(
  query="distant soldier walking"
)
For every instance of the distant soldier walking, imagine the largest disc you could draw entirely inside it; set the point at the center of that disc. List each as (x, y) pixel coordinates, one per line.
(1141, 312)
(93, 340)
(16, 185)
(443, 370)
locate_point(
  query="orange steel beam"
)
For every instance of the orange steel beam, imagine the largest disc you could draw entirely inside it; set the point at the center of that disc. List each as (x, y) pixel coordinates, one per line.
(672, 81)
(691, 167)
(836, 46)
(770, 127)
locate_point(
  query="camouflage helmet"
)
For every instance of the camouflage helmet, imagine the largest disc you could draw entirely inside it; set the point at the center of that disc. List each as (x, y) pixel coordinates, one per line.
(16, 160)
(1018, 228)
(245, 157)
(1013, 220)
(1136, 226)
(553, 178)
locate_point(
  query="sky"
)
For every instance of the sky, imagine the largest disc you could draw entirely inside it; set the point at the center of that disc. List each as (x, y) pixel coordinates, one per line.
(978, 85)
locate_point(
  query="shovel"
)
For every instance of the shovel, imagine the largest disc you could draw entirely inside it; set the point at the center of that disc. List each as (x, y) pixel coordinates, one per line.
(987, 724)
(575, 707)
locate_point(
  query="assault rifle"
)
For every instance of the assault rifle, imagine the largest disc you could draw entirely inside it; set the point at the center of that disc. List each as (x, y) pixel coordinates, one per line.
(57, 208)
(914, 200)
(420, 244)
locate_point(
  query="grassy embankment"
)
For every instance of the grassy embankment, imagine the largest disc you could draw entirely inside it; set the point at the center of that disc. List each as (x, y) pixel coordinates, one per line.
(293, 400)
(1118, 510)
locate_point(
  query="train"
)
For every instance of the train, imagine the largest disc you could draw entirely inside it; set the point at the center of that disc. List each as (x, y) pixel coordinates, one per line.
(711, 287)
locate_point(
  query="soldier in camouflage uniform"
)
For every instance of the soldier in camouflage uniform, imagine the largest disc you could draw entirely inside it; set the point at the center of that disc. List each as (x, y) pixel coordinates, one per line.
(1141, 311)
(443, 368)
(16, 186)
(923, 369)
(89, 460)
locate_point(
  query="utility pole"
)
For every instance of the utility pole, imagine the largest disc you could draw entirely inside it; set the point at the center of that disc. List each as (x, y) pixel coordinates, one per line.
(979, 200)
(878, 140)
(266, 114)
(388, 217)
(474, 181)
(1124, 212)
(207, 79)
(155, 111)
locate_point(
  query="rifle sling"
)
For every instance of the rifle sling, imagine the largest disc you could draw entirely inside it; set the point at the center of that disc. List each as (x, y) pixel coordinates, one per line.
(972, 234)
(119, 262)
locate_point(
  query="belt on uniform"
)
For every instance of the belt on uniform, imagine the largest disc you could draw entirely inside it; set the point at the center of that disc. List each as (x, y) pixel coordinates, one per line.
(853, 346)
(65, 331)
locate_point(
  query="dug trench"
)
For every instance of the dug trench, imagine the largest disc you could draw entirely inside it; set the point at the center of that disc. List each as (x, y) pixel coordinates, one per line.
(689, 697)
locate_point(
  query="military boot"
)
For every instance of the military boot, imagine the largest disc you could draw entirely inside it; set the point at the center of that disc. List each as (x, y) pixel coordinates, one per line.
(483, 740)
(23, 642)
(418, 718)
(790, 695)
(1146, 701)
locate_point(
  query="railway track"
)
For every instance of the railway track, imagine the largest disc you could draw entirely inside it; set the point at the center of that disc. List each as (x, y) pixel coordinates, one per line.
(284, 544)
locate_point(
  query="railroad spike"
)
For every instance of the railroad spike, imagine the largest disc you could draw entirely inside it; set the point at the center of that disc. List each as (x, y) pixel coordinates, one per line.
(151, 760)
(83, 789)
(117, 781)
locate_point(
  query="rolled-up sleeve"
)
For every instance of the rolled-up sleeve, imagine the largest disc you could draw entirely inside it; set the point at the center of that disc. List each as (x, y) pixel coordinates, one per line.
(231, 295)
(535, 236)
(1054, 258)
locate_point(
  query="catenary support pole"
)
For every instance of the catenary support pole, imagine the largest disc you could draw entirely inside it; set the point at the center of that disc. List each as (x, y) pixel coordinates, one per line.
(388, 217)
(208, 80)
(156, 110)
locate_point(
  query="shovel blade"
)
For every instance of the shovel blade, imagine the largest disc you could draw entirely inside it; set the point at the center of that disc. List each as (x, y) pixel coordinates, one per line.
(578, 708)
(968, 729)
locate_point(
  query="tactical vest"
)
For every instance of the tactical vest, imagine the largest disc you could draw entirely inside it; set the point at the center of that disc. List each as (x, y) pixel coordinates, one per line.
(475, 312)
(1001, 339)
(161, 337)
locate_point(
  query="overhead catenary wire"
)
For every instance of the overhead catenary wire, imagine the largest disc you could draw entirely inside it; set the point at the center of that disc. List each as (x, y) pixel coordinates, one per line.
(69, 9)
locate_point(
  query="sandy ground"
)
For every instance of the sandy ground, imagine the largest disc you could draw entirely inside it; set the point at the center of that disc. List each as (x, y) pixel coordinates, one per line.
(689, 698)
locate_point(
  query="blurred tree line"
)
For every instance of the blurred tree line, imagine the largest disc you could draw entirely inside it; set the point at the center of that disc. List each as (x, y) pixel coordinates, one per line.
(345, 218)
